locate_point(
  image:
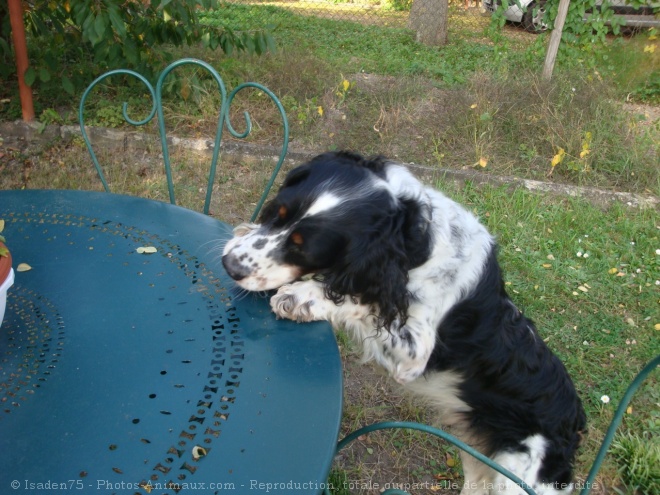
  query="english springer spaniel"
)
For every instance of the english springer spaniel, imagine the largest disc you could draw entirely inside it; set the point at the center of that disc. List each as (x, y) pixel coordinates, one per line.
(414, 278)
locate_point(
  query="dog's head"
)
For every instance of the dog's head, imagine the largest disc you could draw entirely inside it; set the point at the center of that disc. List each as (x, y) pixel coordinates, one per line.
(339, 217)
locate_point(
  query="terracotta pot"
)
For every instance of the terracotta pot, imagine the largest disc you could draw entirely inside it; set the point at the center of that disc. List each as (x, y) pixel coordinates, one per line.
(6, 281)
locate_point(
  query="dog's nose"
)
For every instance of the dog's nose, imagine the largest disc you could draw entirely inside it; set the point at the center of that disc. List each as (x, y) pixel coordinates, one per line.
(234, 267)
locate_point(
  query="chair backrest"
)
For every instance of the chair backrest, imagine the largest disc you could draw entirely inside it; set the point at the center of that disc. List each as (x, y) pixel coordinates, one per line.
(223, 120)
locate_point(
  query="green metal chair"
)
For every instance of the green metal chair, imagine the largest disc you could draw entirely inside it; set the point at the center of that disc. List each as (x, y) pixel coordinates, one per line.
(588, 484)
(157, 110)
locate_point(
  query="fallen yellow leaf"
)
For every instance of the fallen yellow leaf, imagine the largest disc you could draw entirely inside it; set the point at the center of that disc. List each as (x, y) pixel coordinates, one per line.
(146, 250)
(451, 462)
(320, 111)
(474, 105)
(483, 162)
(556, 160)
(629, 410)
(547, 265)
(23, 267)
(657, 326)
(612, 271)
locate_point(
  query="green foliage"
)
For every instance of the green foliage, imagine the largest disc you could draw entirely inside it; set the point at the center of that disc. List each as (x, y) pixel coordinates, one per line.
(50, 116)
(400, 5)
(586, 28)
(68, 38)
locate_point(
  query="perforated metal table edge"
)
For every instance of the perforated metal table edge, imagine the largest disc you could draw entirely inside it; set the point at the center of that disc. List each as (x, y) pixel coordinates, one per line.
(173, 363)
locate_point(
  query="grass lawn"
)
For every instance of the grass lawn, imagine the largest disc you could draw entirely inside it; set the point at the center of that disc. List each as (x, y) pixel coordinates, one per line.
(589, 276)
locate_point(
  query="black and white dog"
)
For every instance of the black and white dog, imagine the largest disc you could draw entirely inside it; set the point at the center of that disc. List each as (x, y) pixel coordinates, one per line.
(413, 276)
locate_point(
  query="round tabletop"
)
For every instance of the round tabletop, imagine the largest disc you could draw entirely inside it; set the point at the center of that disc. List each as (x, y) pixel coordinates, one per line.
(130, 363)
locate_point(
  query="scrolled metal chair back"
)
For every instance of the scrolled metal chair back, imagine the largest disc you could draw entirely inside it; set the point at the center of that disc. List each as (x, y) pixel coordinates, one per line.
(587, 485)
(157, 110)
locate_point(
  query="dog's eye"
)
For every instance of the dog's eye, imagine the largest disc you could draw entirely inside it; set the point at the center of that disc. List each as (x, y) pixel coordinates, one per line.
(297, 238)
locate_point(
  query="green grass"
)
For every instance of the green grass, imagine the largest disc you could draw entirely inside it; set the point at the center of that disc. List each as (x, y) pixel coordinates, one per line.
(634, 68)
(355, 47)
(638, 456)
(588, 276)
(477, 101)
(590, 279)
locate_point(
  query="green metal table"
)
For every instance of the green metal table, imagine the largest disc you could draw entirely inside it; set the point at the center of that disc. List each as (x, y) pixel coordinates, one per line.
(135, 372)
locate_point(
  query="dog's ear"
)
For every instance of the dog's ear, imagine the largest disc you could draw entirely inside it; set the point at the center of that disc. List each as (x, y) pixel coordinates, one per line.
(375, 266)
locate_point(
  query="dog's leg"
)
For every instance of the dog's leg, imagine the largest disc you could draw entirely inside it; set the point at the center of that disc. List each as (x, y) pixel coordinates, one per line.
(477, 477)
(402, 351)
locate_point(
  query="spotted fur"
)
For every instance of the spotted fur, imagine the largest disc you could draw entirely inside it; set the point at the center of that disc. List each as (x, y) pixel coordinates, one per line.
(413, 277)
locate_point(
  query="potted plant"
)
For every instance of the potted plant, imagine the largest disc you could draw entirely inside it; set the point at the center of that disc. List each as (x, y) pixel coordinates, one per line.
(6, 273)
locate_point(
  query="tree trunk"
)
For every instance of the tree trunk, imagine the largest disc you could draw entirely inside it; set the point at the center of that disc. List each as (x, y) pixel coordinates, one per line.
(429, 20)
(555, 39)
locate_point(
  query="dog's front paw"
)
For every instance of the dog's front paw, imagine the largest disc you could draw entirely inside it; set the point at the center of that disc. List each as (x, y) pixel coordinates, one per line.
(289, 304)
(404, 373)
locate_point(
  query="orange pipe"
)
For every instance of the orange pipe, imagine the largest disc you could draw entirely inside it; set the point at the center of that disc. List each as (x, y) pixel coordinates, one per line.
(22, 63)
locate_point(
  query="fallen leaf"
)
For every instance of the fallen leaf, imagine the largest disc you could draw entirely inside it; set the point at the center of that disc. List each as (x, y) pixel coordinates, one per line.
(23, 267)
(629, 410)
(451, 462)
(547, 265)
(612, 271)
(557, 159)
(583, 288)
(146, 250)
(198, 452)
(657, 326)
(483, 162)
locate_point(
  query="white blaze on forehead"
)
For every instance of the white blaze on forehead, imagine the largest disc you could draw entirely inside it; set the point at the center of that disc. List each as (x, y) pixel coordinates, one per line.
(324, 202)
